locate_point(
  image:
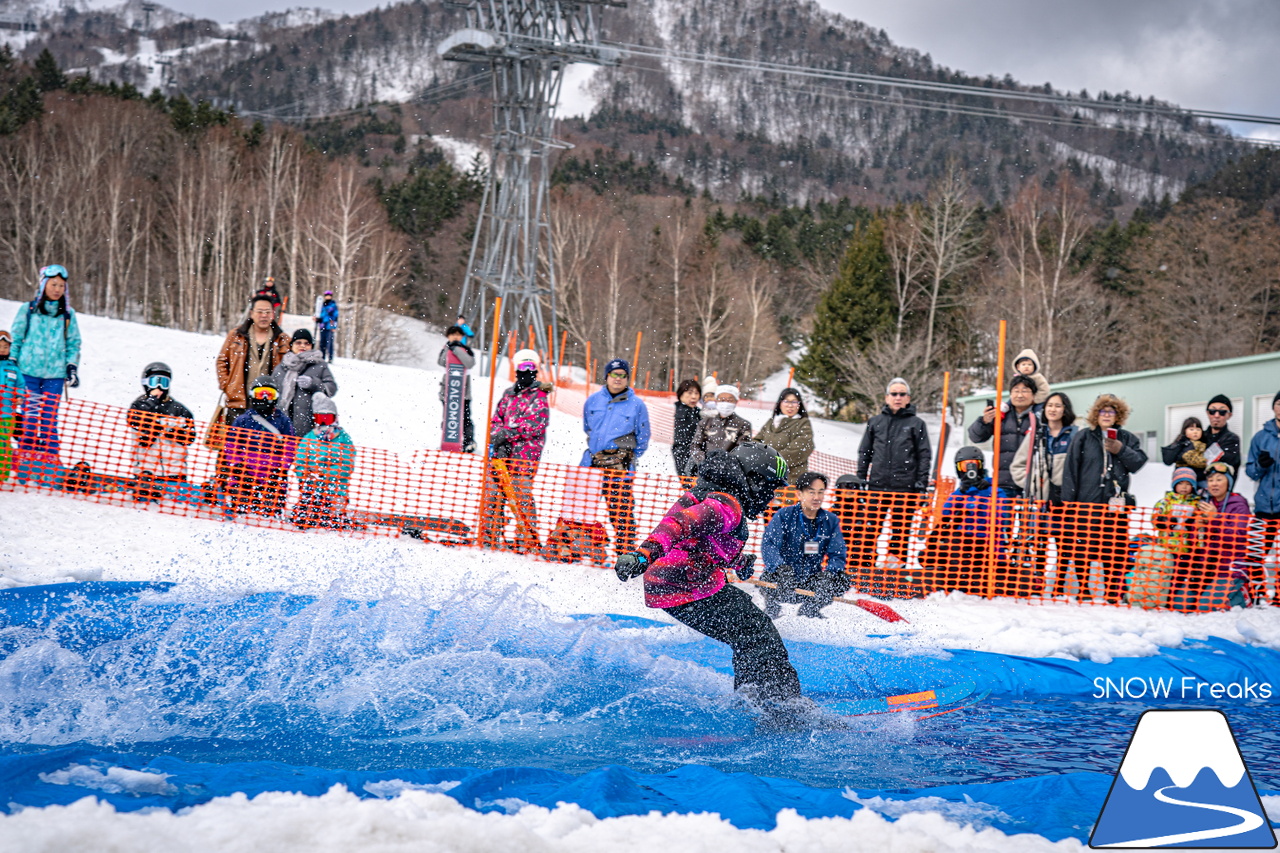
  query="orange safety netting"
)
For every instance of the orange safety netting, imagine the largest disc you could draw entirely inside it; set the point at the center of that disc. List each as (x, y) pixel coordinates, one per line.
(899, 545)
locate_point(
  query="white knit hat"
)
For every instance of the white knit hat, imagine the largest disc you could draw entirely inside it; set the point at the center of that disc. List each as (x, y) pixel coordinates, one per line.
(524, 355)
(727, 389)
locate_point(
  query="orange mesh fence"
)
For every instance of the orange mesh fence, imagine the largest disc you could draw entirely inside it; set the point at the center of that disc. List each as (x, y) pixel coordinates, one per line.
(898, 544)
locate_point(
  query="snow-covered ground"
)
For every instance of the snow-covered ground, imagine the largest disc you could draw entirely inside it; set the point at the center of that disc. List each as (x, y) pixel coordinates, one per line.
(50, 538)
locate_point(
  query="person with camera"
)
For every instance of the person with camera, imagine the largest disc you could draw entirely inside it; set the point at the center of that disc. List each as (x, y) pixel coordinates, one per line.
(1264, 450)
(803, 548)
(517, 435)
(616, 421)
(1099, 463)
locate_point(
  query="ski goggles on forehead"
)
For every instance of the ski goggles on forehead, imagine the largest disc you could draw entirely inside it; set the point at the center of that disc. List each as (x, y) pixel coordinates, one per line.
(324, 419)
(1219, 468)
(265, 393)
(158, 381)
(53, 270)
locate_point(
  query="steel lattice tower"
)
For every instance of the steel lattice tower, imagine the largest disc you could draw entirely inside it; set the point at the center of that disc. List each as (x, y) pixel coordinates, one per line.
(527, 44)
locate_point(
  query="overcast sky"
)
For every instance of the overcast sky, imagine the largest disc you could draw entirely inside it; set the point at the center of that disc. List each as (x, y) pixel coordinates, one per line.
(1207, 54)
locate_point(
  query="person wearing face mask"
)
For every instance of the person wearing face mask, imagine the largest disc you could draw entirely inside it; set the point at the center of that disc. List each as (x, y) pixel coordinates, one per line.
(709, 386)
(724, 432)
(1098, 466)
(517, 436)
(324, 462)
(685, 559)
(46, 346)
(165, 429)
(259, 450)
(954, 555)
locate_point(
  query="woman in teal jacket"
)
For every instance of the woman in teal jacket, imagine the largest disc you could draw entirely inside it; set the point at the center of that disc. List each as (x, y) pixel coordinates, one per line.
(46, 346)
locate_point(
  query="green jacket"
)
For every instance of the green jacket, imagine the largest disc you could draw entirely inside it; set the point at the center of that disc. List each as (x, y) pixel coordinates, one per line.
(43, 342)
(326, 462)
(793, 439)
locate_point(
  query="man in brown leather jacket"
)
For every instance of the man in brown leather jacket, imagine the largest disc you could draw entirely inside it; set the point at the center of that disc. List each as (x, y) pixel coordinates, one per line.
(252, 349)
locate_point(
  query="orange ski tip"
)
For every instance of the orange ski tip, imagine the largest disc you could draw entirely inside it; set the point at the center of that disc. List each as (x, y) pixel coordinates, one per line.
(913, 698)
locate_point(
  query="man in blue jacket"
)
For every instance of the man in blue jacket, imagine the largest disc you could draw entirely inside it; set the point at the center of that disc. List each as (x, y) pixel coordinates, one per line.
(803, 548)
(616, 421)
(1264, 451)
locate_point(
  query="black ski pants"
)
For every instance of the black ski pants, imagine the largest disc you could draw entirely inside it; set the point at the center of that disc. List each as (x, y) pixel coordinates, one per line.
(759, 656)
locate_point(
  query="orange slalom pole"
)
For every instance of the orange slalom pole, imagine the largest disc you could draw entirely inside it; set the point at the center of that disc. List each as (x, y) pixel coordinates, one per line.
(493, 375)
(564, 338)
(995, 466)
(791, 378)
(942, 451)
(511, 354)
(586, 369)
(646, 380)
(635, 358)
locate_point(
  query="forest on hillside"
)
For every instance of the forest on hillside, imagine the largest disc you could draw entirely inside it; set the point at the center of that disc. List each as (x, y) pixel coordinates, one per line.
(172, 212)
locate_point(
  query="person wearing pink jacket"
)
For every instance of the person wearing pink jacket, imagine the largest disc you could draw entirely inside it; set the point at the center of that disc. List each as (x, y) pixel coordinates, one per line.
(685, 559)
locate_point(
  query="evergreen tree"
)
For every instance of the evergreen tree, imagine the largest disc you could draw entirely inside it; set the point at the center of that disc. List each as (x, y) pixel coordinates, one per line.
(48, 75)
(853, 311)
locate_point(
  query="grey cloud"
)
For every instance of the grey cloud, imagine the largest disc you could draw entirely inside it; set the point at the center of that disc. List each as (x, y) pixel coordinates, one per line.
(1207, 54)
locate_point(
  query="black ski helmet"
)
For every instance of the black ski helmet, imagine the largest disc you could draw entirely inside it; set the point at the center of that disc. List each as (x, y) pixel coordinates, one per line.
(765, 471)
(970, 473)
(156, 368)
(263, 407)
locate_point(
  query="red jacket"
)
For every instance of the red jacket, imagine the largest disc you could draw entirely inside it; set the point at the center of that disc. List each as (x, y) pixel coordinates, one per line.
(690, 549)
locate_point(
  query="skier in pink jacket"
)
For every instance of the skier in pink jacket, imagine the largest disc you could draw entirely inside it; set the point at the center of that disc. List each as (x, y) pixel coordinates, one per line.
(685, 558)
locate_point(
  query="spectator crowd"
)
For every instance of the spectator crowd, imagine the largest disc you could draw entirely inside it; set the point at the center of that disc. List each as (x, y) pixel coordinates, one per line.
(1056, 521)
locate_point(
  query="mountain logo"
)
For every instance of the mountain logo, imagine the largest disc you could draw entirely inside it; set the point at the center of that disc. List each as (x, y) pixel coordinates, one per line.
(1183, 783)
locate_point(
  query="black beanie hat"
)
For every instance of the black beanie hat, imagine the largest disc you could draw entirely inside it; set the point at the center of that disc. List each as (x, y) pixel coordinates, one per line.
(1223, 399)
(303, 335)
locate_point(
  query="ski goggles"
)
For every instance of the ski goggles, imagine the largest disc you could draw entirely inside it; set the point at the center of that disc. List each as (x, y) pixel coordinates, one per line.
(53, 270)
(325, 419)
(265, 393)
(158, 381)
(1220, 468)
(527, 365)
(966, 465)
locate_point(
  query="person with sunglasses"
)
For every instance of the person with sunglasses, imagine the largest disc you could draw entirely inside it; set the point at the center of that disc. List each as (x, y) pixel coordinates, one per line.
(895, 457)
(46, 346)
(1222, 445)
(616, 421)
(252, 349)
(164, 429)
(260, 449)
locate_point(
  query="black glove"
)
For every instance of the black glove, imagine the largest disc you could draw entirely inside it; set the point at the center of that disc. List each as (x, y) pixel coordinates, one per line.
(630, 565)
(73, 376)
(745, 566)
(500, 436)
(1265, 459)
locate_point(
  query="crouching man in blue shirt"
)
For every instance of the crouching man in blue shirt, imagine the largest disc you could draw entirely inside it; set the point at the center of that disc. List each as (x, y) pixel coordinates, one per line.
(804, 549)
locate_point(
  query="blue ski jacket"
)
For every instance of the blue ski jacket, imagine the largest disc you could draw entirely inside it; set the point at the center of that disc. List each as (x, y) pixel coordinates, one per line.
(329, 315)
(1267, 498)
(11, 387)
(45, 342)
(606, 418)
(789, 530)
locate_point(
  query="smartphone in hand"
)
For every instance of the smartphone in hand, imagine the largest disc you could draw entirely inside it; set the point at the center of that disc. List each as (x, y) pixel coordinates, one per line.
(1112, 433)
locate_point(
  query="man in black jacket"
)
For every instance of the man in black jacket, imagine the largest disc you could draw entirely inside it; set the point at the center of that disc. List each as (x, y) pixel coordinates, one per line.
(895, 457)
(1227, 442)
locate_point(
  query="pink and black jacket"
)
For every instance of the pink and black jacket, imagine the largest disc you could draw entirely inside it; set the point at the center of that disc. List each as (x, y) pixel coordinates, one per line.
(690, 549)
